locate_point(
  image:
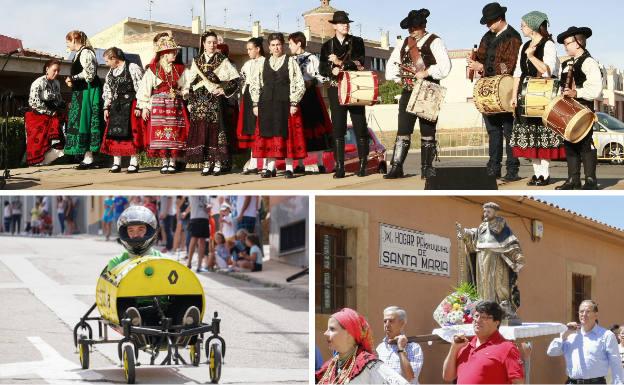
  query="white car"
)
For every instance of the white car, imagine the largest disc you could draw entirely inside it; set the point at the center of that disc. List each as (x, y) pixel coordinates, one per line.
(609, 138)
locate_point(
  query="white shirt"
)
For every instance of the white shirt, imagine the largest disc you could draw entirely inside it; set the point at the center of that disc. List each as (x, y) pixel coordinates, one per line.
(250, 70)
(151, 81)
(438, 71)
(88, 62)
(309, 65)
(251, 210)
(225, 72)
(592, 88)
(550, 59)
(297, 85)
(7, 211)
(227, 226)
(136, 73)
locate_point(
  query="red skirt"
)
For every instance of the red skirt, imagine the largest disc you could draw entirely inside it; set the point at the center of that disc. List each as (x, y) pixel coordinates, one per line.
(41, 130)
(168, 127)
(125, 147)
(539, 153)
(293, 146)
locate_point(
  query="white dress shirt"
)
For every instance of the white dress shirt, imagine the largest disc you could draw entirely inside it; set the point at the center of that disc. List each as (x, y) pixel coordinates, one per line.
(438, 71)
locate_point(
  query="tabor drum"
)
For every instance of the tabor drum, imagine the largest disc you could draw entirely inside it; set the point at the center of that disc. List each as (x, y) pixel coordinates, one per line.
(568, 118)
(426, 100)
(536, 94)
(358, 88)
(492, 95)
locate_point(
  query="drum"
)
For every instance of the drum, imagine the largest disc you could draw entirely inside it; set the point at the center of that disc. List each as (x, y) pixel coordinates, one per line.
(358, 88)
(426, 100)
(568, 118)
(492, 95)
(536, 94)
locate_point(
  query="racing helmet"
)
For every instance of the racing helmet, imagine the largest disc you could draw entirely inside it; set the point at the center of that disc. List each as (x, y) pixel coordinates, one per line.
(137, 215)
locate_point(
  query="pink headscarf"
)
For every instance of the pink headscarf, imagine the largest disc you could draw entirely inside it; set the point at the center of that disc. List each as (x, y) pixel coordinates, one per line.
(356, 325)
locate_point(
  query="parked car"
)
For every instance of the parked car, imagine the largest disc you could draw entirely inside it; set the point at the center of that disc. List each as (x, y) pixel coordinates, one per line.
(376, 156)
(609, 138)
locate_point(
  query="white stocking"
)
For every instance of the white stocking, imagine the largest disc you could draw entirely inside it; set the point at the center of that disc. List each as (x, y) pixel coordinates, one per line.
(117, 160)
(88, 158)
(289, 164)
(270, 164)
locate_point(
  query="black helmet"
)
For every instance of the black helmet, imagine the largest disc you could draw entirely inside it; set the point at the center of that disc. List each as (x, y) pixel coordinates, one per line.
(137, 215)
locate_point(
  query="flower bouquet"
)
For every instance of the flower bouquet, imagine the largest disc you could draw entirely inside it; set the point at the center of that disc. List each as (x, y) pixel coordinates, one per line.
(457, 308)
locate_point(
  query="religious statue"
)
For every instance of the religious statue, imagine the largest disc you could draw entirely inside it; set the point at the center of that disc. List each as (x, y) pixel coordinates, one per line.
(496, 261)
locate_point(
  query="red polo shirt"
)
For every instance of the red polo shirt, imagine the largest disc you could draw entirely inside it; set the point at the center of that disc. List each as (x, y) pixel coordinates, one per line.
(497, 361)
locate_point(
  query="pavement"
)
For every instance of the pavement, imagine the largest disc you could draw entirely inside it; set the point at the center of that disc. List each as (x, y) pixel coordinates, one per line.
(610, 177)
(47, 284)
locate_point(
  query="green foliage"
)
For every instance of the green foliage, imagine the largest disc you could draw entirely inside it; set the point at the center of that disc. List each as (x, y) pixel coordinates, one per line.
(16, 143)
(388, 90)
(467, 289)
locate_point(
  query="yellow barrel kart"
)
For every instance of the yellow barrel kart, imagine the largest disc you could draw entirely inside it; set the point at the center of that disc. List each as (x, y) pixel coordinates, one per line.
(161, 289)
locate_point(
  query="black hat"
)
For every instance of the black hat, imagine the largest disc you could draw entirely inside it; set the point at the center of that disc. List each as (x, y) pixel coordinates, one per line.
(415, 18)
(573, 31)
(340, 17)
(492, 12)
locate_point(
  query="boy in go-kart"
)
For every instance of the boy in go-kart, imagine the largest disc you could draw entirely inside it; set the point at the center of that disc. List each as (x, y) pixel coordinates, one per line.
(138, 230)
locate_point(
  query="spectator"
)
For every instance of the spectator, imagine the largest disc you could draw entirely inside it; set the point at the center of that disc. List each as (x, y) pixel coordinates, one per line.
(227, 223)
(108, 216)
(405, 358)
(16, 215)
(247, 210)
(35, 218)
(253, 261)
(168, 217)
(120, 203)
(70, 210)
(223, 258)
(60, 212)
(240, 249)
(200, 229)
(616, 330)
(589, 349)
(7, 216)
(488, 358)
(181, 221)
(135, 201)
(621, 345)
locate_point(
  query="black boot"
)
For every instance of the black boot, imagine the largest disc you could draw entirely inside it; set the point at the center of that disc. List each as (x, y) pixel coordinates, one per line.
(589, 166)
(401, 148)
(339, 147)
(574, 173)
(428, 153)
(363, 148)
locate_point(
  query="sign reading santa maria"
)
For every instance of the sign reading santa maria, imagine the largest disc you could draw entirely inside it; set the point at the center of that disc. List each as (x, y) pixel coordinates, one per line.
(412, 250)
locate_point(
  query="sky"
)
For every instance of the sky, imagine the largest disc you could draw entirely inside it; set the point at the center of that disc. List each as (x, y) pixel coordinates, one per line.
(42, 24)
(607, 209)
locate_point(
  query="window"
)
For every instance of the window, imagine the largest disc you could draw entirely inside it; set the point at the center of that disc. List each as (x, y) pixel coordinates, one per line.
(581, 290)
(293, 237)
(331, 276)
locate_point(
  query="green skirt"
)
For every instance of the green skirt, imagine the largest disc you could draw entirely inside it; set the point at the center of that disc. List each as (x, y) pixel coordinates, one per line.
(84, 126)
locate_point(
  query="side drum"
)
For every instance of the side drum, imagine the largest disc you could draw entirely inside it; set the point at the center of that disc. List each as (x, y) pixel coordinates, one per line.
(492, 95)
(358, 88)
(568, 118)
(535, 95)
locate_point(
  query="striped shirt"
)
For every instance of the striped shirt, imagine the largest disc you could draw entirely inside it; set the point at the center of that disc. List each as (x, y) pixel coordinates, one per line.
(390, 356)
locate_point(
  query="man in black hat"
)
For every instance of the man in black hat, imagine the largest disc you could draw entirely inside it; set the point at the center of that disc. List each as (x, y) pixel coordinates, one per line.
(344, 52)
(421, 56)
(497, 55)
(586, 87)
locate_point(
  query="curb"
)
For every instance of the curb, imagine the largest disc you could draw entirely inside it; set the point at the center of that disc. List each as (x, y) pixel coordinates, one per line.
(297, 292)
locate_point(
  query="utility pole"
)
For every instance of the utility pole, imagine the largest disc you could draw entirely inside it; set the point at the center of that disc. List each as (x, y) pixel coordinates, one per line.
(278, 22)
(149, 5)
(225, 17)
(204, 9)
(250, 21)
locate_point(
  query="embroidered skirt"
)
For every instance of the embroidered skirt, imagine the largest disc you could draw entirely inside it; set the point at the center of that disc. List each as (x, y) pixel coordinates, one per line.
(531, 140)
(84, 126)
(168, 127)
(41, 130)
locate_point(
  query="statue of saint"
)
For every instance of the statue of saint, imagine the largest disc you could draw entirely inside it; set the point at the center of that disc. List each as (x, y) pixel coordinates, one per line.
(498, 260)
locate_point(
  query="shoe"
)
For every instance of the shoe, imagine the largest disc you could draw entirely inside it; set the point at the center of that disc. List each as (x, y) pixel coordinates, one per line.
(570, 184)
(202, 270)
(533, 180)
(428, 153)
(266, 174)
(220, 172)
(322, 169)
(288, 174)
(363, 150)
(299, 170)
(496, 173)
(511, 176)
(339, 147)
(541, 181)
(115, 169)
(250, 171)
(590, 160)
(134, 315)
(590, 184)
(164, 170)
(132, 169)
(401, 147)
(574, 172)
(85, 166)
(171, 170)
(205, 171)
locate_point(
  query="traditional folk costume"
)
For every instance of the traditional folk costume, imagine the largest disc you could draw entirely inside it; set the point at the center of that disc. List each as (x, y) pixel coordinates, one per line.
(588, 85)
(44, 134)
(362, 366)
(425, 53)
(499, 53)
(208, 140)
(530, 138)
(246, 127)
(317, 126)
(351, 52)
(279, 135)
(124, 134)
(160, 92)
(84, 128)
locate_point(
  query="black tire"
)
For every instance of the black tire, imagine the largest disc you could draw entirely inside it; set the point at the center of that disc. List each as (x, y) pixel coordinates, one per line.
(215, 362)
(129, 364)
(195, 351)
(83, 353)
(383, 167)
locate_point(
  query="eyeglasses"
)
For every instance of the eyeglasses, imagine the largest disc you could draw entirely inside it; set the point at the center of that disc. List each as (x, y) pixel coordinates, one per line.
(568, 43)
(478, 316)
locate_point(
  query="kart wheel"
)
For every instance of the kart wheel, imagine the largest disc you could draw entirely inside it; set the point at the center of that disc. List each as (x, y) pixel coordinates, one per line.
(129, 363)
(215, 360)
(195, 352)
(83, 352)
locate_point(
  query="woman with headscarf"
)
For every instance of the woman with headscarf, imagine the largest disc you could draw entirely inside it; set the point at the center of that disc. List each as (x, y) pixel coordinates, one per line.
(348, 334)
(213, 79)
(529, 138)
(44, 136)
(160, 99)
(84, 127)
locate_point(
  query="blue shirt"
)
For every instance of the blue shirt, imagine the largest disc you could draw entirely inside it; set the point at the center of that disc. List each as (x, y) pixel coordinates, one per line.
(256, 249)
(589, 354)
(390, 356)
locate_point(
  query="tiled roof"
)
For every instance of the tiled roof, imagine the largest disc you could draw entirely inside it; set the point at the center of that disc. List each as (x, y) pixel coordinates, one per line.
(576, 214)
